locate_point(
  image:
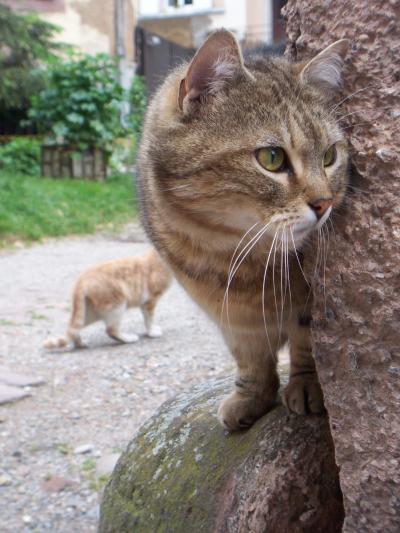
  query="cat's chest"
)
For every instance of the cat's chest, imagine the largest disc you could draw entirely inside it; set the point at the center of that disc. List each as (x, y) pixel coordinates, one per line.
(246, 286)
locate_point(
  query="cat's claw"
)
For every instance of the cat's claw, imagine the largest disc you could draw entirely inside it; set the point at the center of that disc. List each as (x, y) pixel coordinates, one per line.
(303, 395)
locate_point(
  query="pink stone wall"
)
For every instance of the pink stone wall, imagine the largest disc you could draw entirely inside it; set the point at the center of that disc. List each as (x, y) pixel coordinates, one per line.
(357, 328)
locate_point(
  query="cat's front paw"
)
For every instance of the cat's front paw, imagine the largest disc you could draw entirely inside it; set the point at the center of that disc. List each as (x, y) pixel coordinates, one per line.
(303, 395)
(238, 411)
(154, 332)
(128, 338)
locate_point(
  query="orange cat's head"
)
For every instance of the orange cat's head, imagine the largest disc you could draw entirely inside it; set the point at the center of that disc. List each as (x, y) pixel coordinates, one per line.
(232, 143)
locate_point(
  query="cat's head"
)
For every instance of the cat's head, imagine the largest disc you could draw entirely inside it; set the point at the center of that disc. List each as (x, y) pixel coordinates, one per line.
(237, 143)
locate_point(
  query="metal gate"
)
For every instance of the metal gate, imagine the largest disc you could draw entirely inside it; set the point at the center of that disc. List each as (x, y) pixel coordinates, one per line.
(156, 56)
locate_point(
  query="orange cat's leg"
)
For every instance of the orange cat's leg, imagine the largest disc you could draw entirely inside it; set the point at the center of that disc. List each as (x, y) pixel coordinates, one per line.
(257, 380)
(78, 319)
(303, 393)
(112, 320)
(148, 315)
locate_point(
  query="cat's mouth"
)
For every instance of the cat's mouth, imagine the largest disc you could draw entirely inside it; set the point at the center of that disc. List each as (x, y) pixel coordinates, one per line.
(324, 218)
(294, 233)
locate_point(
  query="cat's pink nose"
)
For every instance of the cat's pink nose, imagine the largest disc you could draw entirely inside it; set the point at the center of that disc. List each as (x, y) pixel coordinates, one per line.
(321, 206)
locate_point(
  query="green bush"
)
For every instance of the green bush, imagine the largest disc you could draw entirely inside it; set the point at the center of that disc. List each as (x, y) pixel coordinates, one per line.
(26, 43)
(138, 103)
(21, 156)
(81, 105)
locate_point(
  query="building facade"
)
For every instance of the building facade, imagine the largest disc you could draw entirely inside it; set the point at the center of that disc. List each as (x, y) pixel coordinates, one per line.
(92, 26)
(169, 31)
(186, 22)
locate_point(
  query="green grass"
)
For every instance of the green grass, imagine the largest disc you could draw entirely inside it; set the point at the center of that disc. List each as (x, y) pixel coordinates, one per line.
(32, 207)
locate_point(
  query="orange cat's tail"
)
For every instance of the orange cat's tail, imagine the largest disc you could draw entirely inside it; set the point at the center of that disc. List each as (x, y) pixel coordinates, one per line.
(76, 323)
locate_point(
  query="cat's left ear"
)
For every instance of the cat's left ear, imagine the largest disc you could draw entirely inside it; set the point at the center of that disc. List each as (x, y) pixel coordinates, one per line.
(218, 61)
(324, 71)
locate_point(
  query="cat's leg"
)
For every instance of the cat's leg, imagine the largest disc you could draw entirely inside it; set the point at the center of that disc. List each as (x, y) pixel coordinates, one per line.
(257, 381)
(303, 393)
(78, 319)
(77, 339)
(148, 315)
(113, 320)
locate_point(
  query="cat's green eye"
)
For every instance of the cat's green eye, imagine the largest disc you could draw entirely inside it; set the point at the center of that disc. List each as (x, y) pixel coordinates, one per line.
(330, 156)
(272, 158)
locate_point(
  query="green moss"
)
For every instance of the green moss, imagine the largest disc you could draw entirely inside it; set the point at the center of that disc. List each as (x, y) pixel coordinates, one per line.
(170, 476)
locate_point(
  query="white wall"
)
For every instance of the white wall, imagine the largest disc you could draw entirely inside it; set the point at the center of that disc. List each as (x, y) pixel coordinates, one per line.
(234, 17)
(73, 31)
(157, 7)
(149, 7)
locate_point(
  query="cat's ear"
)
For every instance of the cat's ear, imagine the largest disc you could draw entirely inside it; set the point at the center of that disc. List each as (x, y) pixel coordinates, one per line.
(324, 71)
(215, 63)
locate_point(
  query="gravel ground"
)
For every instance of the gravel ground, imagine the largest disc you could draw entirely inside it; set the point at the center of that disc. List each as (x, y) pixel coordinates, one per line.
(58, 445)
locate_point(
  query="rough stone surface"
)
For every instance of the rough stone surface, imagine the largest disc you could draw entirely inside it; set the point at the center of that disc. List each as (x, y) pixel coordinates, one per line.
(356, 327)
(16, 379)
(11, 394)
(182, 472)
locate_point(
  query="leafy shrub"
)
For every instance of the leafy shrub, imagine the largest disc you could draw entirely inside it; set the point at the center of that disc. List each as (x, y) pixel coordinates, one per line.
(138, 104)
(21, 156)
(81, 105)
(26, 43)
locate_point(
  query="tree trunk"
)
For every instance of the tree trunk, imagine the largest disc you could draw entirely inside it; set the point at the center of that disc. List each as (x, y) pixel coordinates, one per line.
(357, 325)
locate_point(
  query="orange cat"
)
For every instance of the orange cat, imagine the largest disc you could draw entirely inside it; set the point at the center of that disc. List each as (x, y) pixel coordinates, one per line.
(105, 291)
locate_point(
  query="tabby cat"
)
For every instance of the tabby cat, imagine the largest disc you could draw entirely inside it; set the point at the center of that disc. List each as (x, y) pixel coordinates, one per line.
(240, 161)
(105, 291)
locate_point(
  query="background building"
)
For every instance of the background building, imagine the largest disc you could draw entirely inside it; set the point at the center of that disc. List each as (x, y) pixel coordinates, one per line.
(91, 25)
(152, 36)
(169, 31)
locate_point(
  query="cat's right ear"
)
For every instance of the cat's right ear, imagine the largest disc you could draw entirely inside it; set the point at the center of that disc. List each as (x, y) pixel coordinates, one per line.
(215, 63)
(324, 71)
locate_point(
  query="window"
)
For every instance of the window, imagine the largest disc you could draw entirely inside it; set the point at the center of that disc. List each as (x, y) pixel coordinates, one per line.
(179, 3)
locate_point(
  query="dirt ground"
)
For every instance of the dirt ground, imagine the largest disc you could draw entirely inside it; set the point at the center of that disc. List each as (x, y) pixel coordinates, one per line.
(58, 446)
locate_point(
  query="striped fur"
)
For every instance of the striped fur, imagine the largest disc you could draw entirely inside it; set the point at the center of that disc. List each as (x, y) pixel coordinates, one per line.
(202, 189)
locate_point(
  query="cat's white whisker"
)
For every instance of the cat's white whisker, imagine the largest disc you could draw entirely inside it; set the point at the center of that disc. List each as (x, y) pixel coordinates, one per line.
(239, 243)
(281, 276)
(229, 271)
(326, 245)
(341, 117)
(253, 243)
(358, 124)
(316, 269)
(297, 257)
(263, 292)
(351, 96)
(358, 189)
(288, 269)
(178, 187)
(273, 282)
(245, 248)
(332, 228)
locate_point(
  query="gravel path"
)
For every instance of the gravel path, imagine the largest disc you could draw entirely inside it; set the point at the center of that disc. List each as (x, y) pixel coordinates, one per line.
(58, 445)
